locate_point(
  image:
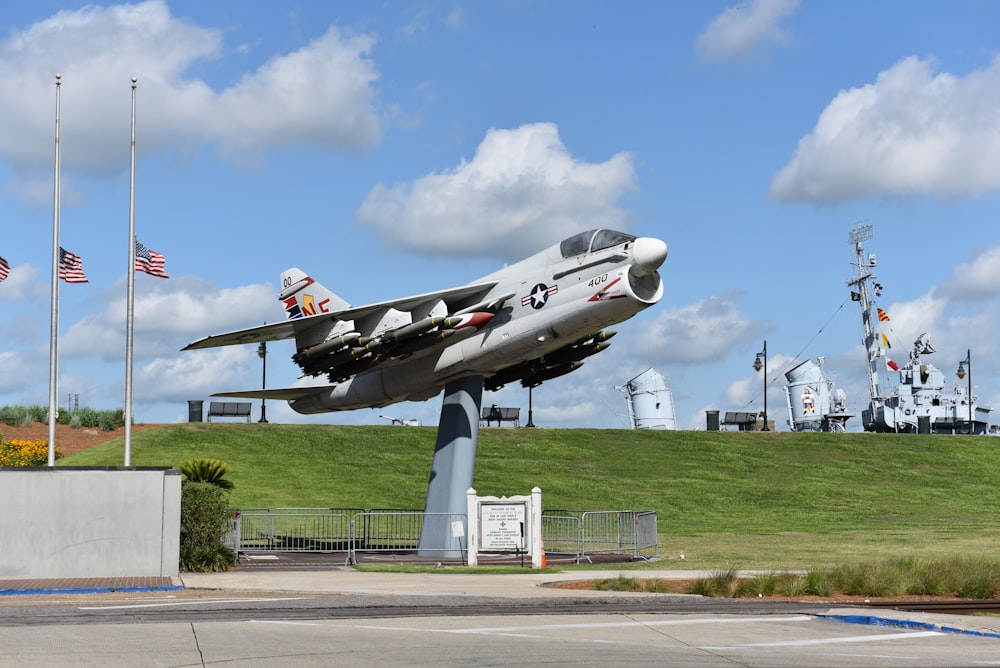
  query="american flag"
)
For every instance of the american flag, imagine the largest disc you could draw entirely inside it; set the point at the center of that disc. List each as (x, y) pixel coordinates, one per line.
(4, 269)
(71, 267)
(149, 261)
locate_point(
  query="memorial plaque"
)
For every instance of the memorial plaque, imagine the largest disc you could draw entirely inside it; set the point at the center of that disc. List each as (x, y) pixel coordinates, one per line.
(502, 527)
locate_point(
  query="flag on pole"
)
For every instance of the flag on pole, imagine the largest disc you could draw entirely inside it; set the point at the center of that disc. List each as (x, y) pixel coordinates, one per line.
(883, 316)
(885, 341)
(150, 261)
(4, 269)
(71, 267)
(892, 365)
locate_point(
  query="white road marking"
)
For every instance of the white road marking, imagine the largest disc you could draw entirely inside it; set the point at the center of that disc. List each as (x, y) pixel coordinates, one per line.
(664, 622)
(828, 641)
(199, 602)
(532, 631)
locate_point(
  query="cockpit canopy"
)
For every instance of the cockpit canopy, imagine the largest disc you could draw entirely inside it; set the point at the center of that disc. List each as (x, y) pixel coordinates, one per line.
(592, 241)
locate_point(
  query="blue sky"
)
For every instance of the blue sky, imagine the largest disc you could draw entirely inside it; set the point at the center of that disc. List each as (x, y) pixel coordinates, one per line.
(401, 147)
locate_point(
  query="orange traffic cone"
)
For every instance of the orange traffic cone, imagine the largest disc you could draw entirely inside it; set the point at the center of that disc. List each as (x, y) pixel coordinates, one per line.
(543, 552)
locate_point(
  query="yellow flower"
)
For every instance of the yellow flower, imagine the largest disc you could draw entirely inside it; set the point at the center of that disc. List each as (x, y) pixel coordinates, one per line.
(19, 452)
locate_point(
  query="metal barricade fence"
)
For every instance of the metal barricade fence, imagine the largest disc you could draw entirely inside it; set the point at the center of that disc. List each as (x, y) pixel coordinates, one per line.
(612, 532)
(572, 532)
(647, 535)
(294, 530)
(399, 531)
(561, 534)
(375, 526)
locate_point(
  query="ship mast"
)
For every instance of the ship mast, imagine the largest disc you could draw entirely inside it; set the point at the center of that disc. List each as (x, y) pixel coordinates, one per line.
(862, 232)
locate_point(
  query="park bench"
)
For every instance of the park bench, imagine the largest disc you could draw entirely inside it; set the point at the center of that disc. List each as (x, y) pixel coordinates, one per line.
(744, 421)
(498, 414)
(240, 409)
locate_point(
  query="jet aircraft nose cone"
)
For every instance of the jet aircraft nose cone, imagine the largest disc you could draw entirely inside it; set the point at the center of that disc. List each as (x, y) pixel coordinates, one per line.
(648, 254)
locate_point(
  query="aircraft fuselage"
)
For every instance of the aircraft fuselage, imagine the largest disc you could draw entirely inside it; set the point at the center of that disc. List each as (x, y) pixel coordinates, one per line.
(557, 302)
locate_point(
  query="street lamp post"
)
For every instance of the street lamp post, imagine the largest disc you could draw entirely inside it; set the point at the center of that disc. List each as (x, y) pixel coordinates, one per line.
(757, 366)
(961, 373)
(530, 412)
(262, 354)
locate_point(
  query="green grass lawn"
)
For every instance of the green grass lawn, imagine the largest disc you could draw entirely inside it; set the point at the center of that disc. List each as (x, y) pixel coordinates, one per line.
(727, 499)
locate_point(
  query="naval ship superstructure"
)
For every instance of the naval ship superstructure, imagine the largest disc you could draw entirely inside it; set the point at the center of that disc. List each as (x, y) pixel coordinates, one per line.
(919, 402)
(814, 403)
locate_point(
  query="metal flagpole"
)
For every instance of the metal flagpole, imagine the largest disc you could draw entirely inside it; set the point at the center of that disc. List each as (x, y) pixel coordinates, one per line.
(54, 330)
(129, 316)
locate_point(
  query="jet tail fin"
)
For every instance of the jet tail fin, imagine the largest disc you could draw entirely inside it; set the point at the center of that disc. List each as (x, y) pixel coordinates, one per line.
(303, 296)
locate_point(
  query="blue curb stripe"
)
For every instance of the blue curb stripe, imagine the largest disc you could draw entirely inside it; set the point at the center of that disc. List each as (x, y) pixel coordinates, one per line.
(86, 590)
(871, 620)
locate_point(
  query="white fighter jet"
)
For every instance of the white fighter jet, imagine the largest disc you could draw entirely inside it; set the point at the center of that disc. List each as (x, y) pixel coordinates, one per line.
(529, 322)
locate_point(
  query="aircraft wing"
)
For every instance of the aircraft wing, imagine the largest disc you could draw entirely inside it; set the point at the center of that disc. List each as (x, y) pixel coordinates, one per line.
(448, 295)
(289, 328)
(272, 332)
(280, 394)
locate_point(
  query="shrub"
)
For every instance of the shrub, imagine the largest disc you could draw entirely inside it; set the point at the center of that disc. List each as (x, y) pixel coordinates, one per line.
(981, 586)
(206, 560)
(88, 417)
(204, 521)
(761, 584)
(790, 584)
(111, 420)
(11, 415)
(108, 420)
(816, 583)
(656, 586)
(621, 583)
(719, 583)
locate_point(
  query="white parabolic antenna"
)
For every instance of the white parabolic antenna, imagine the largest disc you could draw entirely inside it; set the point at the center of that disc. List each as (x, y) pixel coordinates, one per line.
(650, 401)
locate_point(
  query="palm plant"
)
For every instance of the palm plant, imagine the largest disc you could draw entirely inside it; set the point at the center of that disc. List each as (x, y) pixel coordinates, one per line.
(203, 469)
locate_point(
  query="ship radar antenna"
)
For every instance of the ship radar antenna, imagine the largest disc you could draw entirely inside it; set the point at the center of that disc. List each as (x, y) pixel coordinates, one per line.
(861, 231)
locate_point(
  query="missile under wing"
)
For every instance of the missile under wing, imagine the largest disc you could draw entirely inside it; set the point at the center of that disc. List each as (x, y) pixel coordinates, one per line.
(530, 322)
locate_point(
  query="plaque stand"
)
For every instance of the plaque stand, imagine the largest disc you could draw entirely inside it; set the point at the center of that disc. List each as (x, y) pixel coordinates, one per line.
(505, 525)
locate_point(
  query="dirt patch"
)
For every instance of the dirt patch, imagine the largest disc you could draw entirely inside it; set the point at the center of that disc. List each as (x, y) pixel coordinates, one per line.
(68, 439)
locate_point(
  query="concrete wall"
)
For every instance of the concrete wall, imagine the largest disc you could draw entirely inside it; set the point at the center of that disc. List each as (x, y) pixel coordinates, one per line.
(89, 522)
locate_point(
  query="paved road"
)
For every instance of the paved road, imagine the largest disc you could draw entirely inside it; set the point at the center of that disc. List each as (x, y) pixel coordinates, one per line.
(367, 619)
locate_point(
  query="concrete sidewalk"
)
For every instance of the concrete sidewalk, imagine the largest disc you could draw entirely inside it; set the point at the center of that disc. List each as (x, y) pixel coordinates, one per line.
(530, 584)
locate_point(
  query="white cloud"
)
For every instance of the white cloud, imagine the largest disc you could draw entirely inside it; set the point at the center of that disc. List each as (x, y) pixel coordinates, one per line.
(320, 95)
(20, 283)
(197, 373)
(978, 278)
(317, 96)
(167, 316)
(17, 373)
(701, 332)
(738, 30)
(520, 192)
(912, 131)
(908, 320)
